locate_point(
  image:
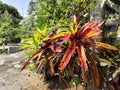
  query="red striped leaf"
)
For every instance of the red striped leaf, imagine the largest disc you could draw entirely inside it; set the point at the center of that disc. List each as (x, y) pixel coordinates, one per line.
(55, 48)
(67, 56)
(104, 45)
(85, 26)
(83, 35)
(90, 25)
(37, 54)
(66, 37)
(82, 57)
(53, 39)
(92, 34)
(99, 23)
(51, 66)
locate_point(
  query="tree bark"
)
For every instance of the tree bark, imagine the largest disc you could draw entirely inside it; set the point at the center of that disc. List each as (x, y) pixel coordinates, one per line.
(97, 13)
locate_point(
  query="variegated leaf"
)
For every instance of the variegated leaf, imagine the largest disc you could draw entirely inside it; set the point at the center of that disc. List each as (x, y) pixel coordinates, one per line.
(107, 46)
(67, 56)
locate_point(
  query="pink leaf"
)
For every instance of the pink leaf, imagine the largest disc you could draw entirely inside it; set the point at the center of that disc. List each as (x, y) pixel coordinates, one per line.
(55, 48)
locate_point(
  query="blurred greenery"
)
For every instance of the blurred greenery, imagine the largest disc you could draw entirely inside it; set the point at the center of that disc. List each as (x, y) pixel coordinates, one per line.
(9, 24)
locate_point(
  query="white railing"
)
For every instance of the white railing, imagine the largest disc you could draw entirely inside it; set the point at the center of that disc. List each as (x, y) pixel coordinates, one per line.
(10, 48)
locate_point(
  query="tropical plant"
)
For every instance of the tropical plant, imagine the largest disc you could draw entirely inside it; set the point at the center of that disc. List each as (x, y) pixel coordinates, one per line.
(31, 44)
(69, 47)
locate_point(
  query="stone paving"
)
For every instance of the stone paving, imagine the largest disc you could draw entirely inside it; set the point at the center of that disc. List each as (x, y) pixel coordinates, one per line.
(10, 76)
(12, 79)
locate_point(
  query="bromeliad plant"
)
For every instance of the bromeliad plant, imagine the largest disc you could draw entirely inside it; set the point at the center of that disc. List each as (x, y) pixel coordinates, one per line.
(69, 45)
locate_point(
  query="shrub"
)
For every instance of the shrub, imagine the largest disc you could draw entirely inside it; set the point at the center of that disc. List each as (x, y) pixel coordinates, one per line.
(71, 50)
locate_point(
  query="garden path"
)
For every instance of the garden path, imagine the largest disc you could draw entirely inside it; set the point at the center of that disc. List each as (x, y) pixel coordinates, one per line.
(12, 79)
(10, 76)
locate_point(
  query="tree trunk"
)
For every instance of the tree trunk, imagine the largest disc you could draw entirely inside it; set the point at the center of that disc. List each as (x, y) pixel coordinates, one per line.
(97, 13)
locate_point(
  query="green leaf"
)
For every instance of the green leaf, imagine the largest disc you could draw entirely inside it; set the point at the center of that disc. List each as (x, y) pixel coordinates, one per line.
(38, 33)
(93, 3)
(104, 62)
(45, 30)
(102, 2)
(35, 42)
(112, 61)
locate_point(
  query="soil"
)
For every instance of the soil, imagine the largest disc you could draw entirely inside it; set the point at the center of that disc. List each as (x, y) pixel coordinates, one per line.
(12, 79)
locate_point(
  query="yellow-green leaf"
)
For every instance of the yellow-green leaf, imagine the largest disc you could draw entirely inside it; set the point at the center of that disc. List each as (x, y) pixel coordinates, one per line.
(72, 29)
(38, 33)
(60, 34)
(25, 46)
(107, 46)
